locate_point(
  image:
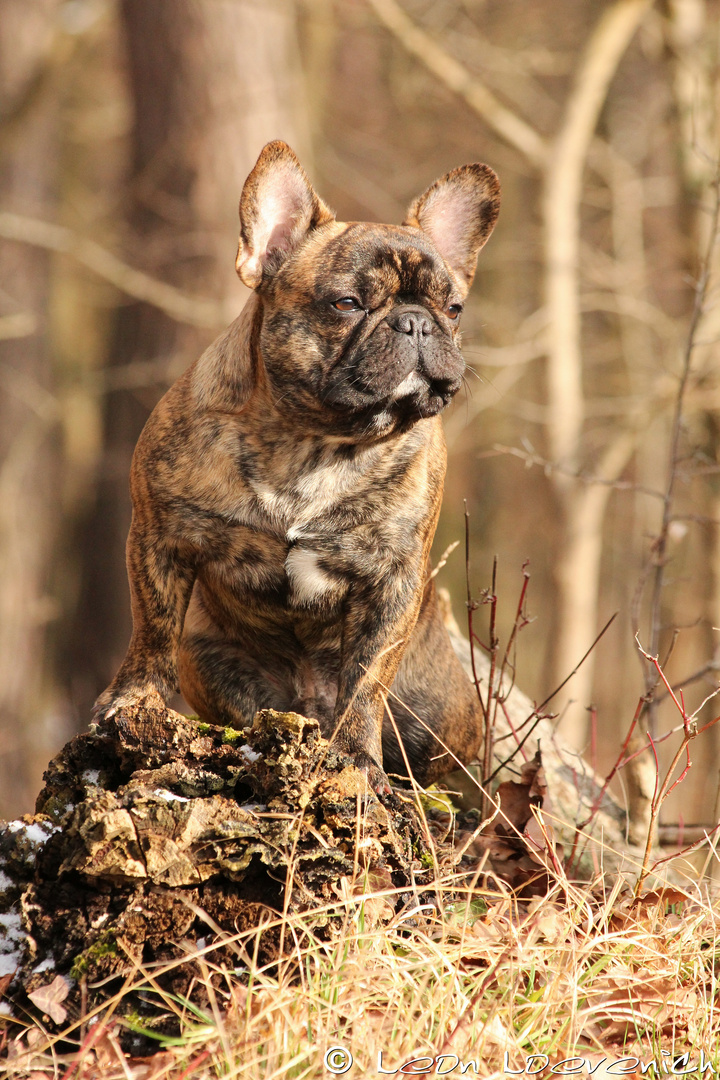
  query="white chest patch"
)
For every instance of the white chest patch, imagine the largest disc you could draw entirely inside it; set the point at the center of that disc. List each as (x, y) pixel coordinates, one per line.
(309, 583)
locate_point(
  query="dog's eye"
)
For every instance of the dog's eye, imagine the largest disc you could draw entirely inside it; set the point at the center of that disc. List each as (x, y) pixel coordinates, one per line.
(347, 303)
(453, 311)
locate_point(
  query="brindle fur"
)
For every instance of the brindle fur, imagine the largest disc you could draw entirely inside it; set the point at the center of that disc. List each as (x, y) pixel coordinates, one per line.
(286, 489)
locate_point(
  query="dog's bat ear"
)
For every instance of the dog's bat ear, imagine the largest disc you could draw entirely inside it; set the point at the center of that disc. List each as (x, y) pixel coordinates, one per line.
(278, 207)
(458, 213)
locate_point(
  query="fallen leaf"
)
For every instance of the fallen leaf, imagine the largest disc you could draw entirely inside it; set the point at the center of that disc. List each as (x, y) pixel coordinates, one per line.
(663, 897)
(48, 998)
(518, 842)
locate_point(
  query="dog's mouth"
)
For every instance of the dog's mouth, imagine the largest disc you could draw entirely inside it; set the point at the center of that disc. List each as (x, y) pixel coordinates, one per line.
(415, 398)
(423, 396)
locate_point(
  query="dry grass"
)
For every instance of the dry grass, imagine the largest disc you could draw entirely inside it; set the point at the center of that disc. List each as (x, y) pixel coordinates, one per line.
(585, 971)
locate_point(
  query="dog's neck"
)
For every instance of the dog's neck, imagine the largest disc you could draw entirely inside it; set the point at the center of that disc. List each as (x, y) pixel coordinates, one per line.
(226, 375)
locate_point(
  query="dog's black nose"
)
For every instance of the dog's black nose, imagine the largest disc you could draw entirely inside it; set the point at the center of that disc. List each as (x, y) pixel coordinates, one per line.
(411, 321)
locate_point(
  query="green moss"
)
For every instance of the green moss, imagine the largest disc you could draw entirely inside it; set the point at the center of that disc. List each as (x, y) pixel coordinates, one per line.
(104, 946)
(231, 735)
(434, 798)
(80, 967)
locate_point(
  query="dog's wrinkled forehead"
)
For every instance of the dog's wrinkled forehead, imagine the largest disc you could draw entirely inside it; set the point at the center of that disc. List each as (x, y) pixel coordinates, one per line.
(375, 262)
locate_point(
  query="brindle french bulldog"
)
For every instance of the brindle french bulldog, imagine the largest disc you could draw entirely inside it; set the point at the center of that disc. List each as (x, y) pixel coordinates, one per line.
(286, 489)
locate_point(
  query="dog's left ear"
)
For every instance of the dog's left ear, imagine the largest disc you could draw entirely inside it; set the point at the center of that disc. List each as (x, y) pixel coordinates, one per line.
(278, 207)
(458, 213)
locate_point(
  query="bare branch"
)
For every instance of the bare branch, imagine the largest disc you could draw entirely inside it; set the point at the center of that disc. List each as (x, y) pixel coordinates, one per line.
(563, 187)
(457, 78)
(21, 324)
(44, 234)
(656, 567)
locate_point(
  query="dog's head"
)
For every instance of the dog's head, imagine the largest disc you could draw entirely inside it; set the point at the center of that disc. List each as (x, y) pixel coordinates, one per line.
(360, 326)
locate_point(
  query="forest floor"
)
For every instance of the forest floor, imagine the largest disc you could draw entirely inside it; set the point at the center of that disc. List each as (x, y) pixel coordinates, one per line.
(162, 921)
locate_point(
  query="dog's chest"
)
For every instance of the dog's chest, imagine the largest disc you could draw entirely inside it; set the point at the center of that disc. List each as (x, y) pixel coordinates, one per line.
(303, 541)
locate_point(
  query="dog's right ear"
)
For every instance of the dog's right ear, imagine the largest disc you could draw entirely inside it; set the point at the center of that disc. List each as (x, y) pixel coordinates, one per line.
(278, 207)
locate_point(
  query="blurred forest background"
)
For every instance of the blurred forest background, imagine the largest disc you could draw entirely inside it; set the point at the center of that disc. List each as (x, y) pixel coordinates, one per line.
(588, 443)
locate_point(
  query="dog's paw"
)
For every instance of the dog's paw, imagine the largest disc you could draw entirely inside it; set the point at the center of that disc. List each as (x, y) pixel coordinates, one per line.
(112, 701)
(377, 780)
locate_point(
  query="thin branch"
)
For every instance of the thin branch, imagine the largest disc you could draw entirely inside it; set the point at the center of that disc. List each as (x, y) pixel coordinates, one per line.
(664, 788)
(619, 762)
(660, 544)
(493, 691)
(531, 458)
(44, 234)
(537, 711)
(457, 78)
(704, 839)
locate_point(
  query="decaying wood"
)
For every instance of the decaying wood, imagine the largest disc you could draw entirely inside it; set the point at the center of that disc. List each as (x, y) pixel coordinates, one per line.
(155, 830)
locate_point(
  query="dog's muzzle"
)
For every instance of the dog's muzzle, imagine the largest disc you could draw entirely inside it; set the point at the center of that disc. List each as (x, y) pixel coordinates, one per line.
(437, 376)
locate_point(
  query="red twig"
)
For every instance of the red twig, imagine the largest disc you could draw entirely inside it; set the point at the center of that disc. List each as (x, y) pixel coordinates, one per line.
(194, 1063)
(662, 790)
(683, 774)
(92, 1036)
(597, 802)
(471, 607)
(618, 764)
(688, 849)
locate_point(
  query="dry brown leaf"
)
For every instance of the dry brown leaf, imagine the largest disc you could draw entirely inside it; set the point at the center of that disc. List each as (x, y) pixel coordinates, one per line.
(158, 1065)
(48, 998)
(112, 1062)
(521, 847)
(629, 1000)
(662, 897)
(553, 924)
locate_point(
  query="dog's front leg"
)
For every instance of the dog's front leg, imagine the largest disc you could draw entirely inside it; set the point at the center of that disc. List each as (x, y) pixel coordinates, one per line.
(161, 579)
(376, 629)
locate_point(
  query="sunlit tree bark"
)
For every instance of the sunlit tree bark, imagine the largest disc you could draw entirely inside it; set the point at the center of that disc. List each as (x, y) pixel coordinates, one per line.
(31, 49)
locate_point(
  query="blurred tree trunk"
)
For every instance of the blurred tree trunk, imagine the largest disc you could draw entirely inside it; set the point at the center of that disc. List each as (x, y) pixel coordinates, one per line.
(31, 49)
(210, 84)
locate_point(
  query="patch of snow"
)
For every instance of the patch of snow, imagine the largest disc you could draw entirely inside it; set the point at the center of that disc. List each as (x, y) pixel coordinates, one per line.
(9, 963)
(91, 776)
(35, 833)
(46, 965)
(250, 754)
(5, 881)
(12, 925)
(170, 796)
(40, 834)
(5, 1009)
